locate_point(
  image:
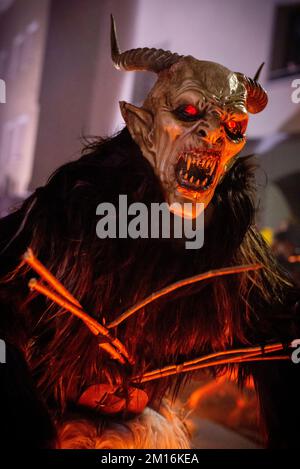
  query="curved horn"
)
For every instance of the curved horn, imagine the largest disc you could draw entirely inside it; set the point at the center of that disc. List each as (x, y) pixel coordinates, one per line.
(153, 60)
(257, 97)
(257, 75)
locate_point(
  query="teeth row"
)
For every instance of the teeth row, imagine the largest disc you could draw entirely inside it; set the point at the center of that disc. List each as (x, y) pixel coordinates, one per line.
(191, 179)
(205, 163)
(195, 152)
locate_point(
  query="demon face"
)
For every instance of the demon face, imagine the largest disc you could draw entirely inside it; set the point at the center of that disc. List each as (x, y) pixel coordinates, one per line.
(193, 122)
(190, 127)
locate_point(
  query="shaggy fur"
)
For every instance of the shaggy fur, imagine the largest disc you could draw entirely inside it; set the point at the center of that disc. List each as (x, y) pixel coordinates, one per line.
(149, 430)
(107, 276)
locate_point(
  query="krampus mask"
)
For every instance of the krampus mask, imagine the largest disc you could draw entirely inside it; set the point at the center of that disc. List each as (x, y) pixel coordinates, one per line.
(192, 124)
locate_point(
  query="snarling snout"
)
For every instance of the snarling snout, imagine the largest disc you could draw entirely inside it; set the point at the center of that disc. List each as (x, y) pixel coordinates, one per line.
(196, 169)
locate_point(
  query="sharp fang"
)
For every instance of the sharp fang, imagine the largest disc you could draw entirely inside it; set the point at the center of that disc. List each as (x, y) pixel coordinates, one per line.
(198, 182)
(204, 182)
(181, 172)
(189, 162)
(186, 176)
(191, 179)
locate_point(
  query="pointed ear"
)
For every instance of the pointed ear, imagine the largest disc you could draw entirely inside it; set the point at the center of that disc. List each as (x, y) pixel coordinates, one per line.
(139, 123)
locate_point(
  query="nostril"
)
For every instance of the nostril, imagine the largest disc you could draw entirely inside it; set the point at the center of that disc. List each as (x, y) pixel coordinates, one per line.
(202, 133)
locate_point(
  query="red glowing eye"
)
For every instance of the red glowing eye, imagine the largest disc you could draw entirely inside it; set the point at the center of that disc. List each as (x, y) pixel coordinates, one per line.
(191, 110)
(231, 125)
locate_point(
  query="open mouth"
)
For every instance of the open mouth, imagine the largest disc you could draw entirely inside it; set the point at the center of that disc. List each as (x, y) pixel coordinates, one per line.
(196, 169)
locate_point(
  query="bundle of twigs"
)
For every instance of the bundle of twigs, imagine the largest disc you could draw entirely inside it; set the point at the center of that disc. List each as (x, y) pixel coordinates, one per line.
(63, 298)
(51, 288)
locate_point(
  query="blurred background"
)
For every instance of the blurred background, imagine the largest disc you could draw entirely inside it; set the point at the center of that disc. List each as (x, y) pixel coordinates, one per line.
(61, 85)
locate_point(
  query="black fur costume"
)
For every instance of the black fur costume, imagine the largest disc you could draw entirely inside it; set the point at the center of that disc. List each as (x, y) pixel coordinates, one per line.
(107, 276)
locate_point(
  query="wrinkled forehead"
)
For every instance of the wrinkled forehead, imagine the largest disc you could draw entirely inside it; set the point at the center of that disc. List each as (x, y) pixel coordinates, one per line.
(191, 78)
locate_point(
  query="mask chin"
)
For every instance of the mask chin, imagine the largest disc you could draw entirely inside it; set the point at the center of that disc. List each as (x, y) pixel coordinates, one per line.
(189, 213)
(185, 207)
